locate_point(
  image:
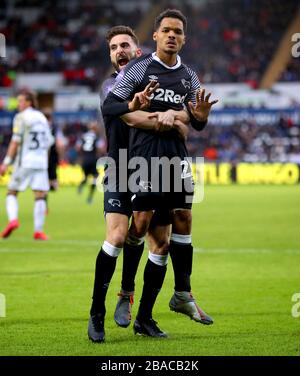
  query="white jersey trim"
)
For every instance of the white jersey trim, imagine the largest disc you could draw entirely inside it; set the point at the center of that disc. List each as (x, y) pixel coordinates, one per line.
(177, 65)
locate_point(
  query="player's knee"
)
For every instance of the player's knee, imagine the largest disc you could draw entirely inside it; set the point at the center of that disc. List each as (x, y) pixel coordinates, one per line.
(134, 240)
(182, 221)
(140, 230)
(183, 215)
(39, 195)
(117, 239)
(12, 193)
(161, 247)
(140, 224)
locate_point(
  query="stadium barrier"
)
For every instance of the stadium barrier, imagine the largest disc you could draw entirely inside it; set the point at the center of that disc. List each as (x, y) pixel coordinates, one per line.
(60, 117)
(214, 174)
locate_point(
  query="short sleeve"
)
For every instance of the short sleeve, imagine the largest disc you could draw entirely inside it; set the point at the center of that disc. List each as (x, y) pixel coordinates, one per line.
(195, 86)
(18, 128)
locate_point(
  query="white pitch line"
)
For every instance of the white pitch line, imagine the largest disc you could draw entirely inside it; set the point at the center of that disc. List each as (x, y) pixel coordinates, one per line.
(245, 251)
(54, 241)
(91, 245)
(45, 251)
(57, 245)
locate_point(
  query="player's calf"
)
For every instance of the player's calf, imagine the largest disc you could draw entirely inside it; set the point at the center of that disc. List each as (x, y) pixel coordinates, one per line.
(40, 210)
(132, 253)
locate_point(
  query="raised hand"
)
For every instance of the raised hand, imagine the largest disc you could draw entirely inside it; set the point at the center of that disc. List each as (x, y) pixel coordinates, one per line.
(202, 108)
(142, 99)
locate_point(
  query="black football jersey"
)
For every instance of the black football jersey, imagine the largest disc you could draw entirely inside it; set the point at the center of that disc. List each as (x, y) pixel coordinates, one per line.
(177, 86)
(89, 144)
(53, 154)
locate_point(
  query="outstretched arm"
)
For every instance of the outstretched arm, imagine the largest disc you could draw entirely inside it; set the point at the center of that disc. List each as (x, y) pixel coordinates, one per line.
(10, 156)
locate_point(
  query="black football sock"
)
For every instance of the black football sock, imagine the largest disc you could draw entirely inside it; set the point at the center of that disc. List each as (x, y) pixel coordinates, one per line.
(131, 258)
(154, 276)
(105, 267)
(182, 260)
(47, 202)
(92, 190)
(83, 182)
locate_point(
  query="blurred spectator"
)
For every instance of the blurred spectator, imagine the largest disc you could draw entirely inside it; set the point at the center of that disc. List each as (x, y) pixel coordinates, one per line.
(241, 142)
(60, 36)
(228, 40)
(247, 142)
(234, 40)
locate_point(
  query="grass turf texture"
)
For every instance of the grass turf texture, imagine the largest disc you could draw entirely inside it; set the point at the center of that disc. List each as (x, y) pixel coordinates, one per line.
(246, 269)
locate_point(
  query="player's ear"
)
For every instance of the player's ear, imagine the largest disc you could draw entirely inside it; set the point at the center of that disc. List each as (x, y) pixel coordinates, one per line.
(183, 40)
(154, 36)
(139, 52)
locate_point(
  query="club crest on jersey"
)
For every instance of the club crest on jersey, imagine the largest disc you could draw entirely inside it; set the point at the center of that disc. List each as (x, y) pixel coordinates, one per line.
(114, 202)
(146, 185)
(152, 77)
(186, 84)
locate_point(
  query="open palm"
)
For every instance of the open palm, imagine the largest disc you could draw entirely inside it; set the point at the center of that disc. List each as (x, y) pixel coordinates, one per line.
(202, 108)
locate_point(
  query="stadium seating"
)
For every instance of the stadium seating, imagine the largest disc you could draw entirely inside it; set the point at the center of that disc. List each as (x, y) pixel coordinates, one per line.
(63, 37)
(225, 44)
(248, 142)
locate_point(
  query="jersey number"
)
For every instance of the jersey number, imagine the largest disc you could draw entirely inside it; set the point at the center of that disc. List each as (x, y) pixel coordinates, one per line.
(186, 170)
(88, 144)
(37, 140)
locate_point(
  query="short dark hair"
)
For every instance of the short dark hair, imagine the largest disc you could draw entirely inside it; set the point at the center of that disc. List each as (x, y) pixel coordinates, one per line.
(121, 29)
(31, 97)
(170, 13)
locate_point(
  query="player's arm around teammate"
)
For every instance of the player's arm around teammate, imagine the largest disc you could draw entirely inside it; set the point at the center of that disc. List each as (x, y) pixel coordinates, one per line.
(123, 47)
(159, 121)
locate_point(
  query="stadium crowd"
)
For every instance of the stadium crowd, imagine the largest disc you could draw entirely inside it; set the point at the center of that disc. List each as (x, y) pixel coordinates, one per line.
(229, 41)
(247, 142)
(234, 40)
(60, 36)
(224, 45)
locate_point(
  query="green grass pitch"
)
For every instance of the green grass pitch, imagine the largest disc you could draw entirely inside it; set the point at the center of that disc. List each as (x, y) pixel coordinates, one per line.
(245, 272)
